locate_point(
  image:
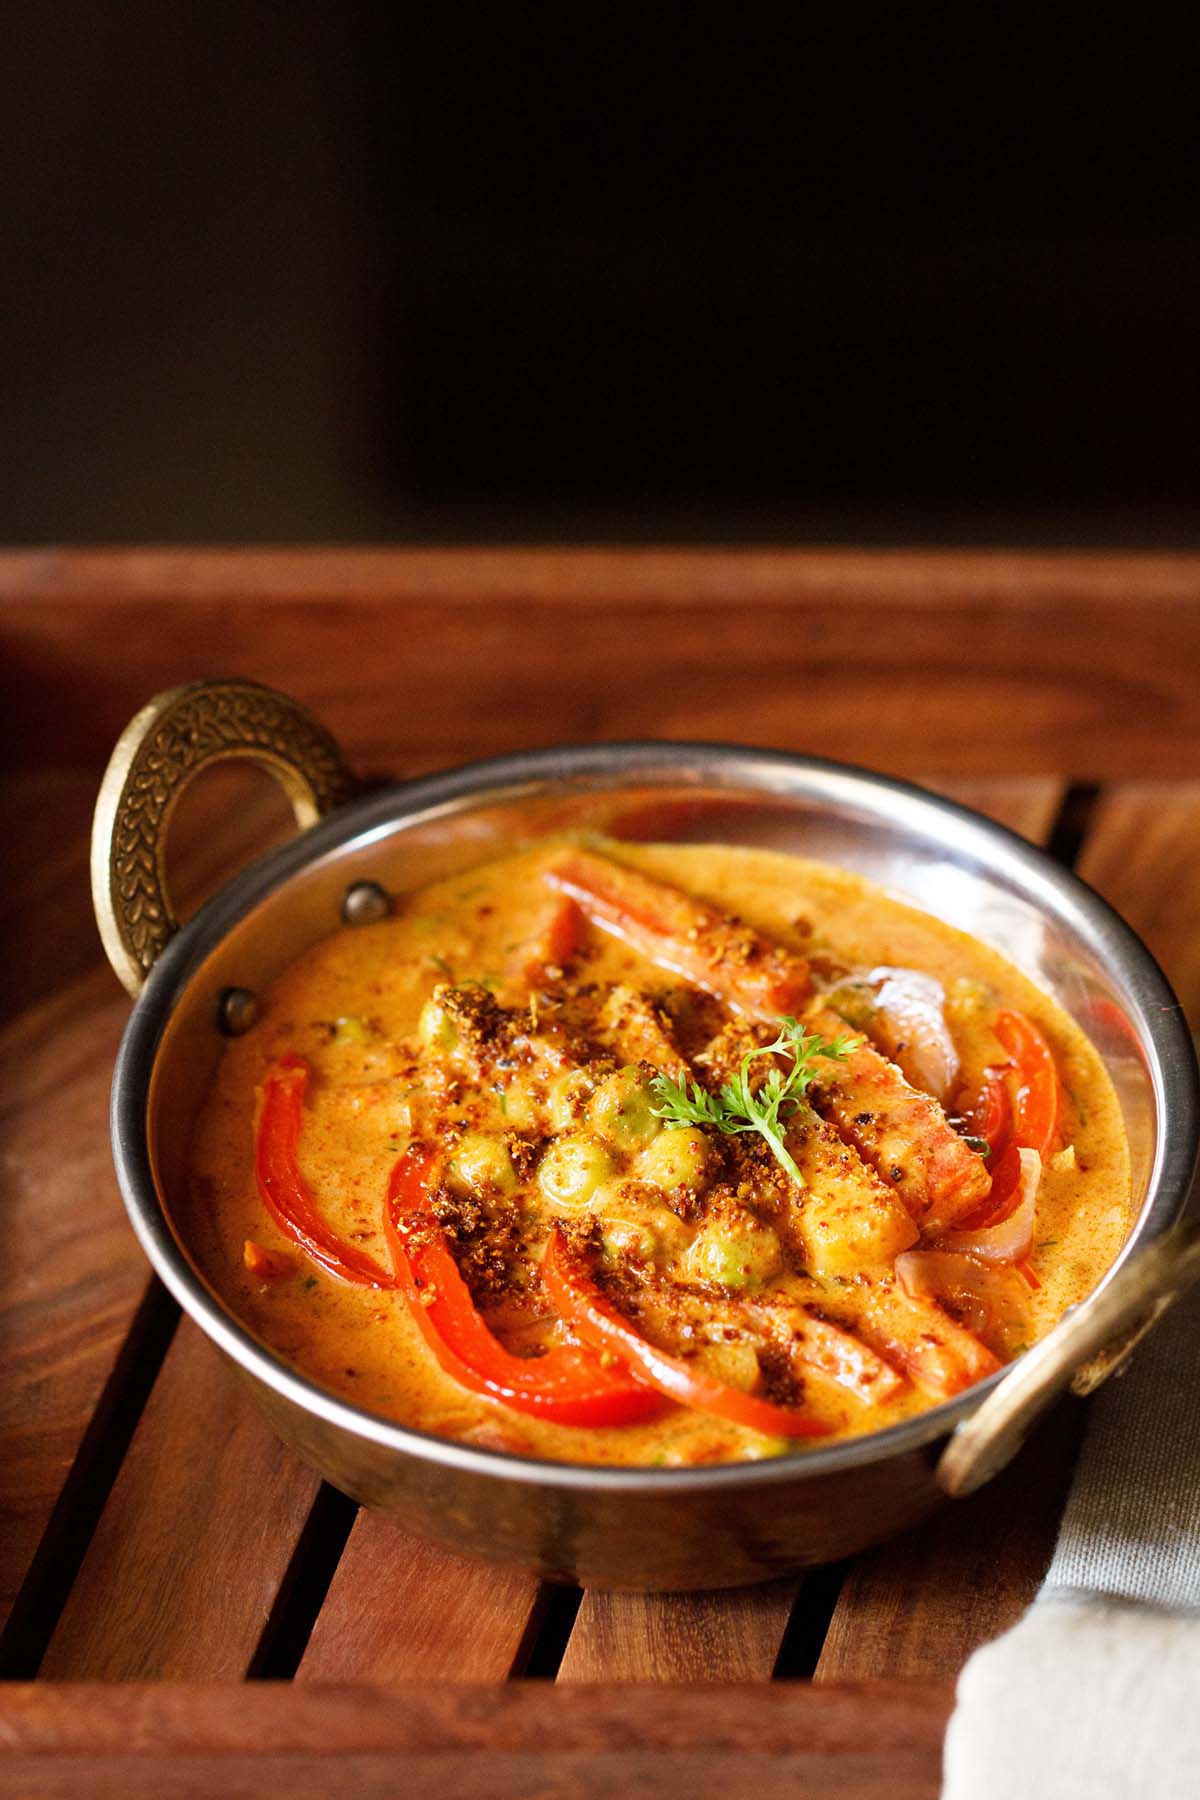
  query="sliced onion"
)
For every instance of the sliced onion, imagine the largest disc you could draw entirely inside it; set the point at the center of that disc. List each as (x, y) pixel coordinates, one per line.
(910, 1006)
(987, 1301)
(1009, 1241)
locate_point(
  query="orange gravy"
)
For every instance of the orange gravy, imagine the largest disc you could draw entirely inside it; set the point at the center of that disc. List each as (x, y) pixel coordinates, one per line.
(351, 1005)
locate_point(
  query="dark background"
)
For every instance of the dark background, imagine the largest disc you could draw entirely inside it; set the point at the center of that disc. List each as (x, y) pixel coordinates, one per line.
(316, 271)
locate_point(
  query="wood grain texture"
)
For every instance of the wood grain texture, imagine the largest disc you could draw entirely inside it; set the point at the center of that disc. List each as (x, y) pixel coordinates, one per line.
(733, 1635)
(1028, 804)
(71, 1272)
(46, 924)
(484, 574)
(401, 1610)
(901, 660)
(193, 1544)
(882, 1742)
(551, 1773)
(917, 1606)
(1143, 853)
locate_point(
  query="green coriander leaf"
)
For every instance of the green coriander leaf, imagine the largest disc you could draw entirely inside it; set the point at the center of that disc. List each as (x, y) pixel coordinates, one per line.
(741, 1106)
(686, 1103)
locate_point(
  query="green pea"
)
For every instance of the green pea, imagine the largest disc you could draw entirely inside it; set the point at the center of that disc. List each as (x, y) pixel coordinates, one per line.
(625, 1240)
(483, 1165)
(572, 1169)
(636, 1225)
(621, 1110)
(678, 1158)
(759, 1445)
(740, 1255)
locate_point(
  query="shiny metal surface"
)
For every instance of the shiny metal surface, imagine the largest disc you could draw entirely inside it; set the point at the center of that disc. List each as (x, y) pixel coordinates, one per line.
(1106, 1330)
(706, 1526)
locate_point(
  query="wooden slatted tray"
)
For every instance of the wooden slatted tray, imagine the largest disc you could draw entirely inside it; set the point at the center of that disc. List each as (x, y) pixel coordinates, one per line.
(156, 1535)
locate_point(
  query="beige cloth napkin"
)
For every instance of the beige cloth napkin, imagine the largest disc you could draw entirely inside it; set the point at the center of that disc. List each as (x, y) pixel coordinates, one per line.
(1095, 1693)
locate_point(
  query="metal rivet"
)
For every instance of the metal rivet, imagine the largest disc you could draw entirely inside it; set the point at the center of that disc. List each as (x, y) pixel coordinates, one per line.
(237, 1011)
(364, 902)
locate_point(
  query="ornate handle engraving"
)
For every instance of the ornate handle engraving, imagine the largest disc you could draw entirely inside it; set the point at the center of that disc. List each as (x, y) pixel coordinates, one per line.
(171, 740)
(1088, 1345)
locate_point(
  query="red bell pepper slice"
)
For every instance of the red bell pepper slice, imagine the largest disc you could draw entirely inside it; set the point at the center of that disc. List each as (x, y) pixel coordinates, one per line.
(1028, 1121)
(992, 1115)
(283, 1189)
(1037, 1101)
(578, 1300)
(556, 944)
(1005, 1191)
(568, 1385)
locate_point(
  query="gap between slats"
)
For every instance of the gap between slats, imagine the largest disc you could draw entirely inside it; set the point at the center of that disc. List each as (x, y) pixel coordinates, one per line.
(84, 1495)
(195, 1538)
(399, 1609)
(86, 1331)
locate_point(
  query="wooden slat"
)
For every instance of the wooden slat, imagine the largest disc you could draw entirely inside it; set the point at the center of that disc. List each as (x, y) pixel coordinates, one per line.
(1028, 804)
(71, 1273)
(485, 576)
(45, 816)
(723, 1637)
(732, 1635)
(46, 919)
(882, 1742)
(401, 1610)
(1143, 854)
(902, 660)
(193, 1544)
(918, 1606)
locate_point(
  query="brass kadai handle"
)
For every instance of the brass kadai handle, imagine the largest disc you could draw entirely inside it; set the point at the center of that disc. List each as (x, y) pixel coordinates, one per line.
(1084, 1349)
(170, 741)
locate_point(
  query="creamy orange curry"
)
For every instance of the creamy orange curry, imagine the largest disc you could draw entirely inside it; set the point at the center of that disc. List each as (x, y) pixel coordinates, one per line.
(619, 1153)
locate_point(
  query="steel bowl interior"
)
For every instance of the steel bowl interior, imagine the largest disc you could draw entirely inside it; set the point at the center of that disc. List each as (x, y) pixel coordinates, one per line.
(936, 855)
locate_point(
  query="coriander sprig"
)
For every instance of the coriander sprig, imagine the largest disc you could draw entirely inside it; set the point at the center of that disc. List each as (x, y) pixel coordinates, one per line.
(738, 1107)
